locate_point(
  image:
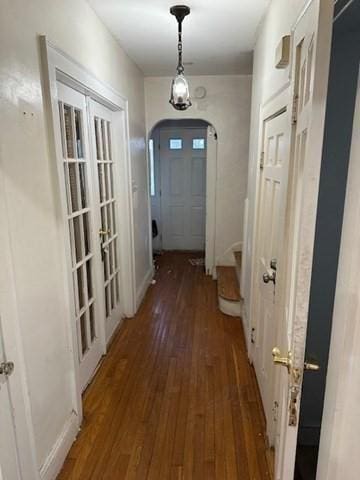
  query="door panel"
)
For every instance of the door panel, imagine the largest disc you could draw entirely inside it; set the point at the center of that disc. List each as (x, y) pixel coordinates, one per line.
(107, 213)
(272, 203)
(79, 211)
(311, 54)
(9, 466)
(183, 188)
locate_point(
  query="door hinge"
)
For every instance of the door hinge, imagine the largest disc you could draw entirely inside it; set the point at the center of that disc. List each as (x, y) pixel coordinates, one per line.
(294, 114)
(252, 336)
(262, 160)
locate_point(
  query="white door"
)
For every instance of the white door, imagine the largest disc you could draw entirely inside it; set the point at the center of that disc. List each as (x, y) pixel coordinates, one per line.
(311, 54)
(272, 203)
(183, 188)
(9, 465)
(76, 181)
(107, 224)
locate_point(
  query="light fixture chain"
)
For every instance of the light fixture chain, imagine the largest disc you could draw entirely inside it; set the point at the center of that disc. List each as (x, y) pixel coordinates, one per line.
(180, 67)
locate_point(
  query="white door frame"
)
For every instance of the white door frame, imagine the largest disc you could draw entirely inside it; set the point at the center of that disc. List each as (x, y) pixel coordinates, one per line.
(13, 347)
(211, 184)
(57, 66)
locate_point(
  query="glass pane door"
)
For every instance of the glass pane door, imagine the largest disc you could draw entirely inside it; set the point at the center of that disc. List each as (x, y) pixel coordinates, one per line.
(76, 172)
(101, 119)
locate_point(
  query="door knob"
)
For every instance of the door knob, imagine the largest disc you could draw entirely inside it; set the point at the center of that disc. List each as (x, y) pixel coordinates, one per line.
(278, 359)
(6, 368)
(269, 277)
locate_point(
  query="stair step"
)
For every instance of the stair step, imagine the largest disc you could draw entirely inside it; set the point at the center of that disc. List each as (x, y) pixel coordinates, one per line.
(227, 284)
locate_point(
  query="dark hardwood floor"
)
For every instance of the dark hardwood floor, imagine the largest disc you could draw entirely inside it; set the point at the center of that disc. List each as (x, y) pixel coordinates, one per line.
(175, 398)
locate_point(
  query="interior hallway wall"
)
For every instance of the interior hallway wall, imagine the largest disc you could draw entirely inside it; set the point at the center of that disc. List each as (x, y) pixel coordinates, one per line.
(227, 107)
(267, 81)
(30, 175)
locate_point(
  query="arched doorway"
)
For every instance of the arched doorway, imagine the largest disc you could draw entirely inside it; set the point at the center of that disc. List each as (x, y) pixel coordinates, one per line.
(182, 185)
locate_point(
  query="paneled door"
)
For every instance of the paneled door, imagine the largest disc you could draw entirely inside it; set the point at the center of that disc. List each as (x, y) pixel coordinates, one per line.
(183, 188)
(311, 58)
(9, 466)
(271, 210)
(107, 224)
(76, 181)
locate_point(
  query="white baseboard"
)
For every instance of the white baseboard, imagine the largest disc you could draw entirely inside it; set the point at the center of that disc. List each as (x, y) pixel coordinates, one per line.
(140, 294)
(56, 458)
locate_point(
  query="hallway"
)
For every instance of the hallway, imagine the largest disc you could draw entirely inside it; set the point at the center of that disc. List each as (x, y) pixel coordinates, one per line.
(175, 398)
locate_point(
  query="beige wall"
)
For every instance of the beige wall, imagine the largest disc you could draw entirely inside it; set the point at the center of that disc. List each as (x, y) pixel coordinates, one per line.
(267, 81)
(33, 208)
(227, 108)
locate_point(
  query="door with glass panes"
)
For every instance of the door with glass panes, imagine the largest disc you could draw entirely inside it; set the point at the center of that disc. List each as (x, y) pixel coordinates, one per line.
(105, 186)
(76, 181)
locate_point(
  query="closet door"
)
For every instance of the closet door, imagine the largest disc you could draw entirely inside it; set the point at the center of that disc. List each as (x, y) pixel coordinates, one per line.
(101, 121)
(76, 179)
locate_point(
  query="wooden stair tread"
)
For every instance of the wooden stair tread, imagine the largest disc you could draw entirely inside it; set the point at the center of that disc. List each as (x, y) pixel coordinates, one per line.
(238, 258)
(227, 284)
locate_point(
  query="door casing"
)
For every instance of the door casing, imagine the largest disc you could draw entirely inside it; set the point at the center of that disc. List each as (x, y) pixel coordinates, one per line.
(58, 66)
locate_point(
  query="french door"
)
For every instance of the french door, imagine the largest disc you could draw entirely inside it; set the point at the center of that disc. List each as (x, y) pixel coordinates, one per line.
(77, 183)
(105, 172)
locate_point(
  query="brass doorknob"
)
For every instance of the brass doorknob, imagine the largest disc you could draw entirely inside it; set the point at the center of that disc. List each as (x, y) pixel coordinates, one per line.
(278, 359)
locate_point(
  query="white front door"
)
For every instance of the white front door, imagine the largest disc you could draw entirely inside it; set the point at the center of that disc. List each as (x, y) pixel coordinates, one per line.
(107, 224)
(183, 188)
(75, 174)
(9, 464)
(272, 203)
(311, 58)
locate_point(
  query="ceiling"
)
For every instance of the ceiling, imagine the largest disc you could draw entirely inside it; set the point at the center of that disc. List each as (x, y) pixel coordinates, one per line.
(218, 36)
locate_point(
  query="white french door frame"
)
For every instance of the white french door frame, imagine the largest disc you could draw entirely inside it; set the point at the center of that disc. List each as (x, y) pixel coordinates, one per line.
(58, 66)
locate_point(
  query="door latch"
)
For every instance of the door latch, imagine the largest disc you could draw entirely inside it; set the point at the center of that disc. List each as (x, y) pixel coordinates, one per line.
(269, 277)
(6, 368)
(293, 415)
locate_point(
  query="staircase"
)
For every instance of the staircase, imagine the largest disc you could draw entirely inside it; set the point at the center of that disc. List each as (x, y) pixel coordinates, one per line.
(228, 286)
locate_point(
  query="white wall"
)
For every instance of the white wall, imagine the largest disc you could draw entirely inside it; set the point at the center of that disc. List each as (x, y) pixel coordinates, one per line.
(267, 81)
(227, 108)
(34, 213)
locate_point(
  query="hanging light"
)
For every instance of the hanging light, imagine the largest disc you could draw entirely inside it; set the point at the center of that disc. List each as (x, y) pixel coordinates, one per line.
(179, 95)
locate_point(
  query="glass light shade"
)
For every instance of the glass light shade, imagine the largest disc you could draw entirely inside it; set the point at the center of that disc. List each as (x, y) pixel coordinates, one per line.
(180, 95)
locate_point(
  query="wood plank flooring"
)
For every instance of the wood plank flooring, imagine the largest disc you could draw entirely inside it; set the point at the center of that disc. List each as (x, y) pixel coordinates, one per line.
(175, 398)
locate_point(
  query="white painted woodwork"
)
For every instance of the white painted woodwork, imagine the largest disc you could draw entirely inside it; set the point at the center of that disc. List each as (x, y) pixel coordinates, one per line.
(9, 464)
(311, 54)
(339, 443)
(106, 186)
(75, 173)
(211, 169)
(272, 203)
(183, 189)
(154, 50)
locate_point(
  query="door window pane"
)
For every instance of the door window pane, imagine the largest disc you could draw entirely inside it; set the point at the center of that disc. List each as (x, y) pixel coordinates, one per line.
(175, 144)
(198, 144)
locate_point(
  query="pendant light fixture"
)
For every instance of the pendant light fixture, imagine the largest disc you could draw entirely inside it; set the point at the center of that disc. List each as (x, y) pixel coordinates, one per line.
(180, 96)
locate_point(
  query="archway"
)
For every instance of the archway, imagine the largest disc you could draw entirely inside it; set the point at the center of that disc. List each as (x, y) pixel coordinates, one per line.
(199, 217)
